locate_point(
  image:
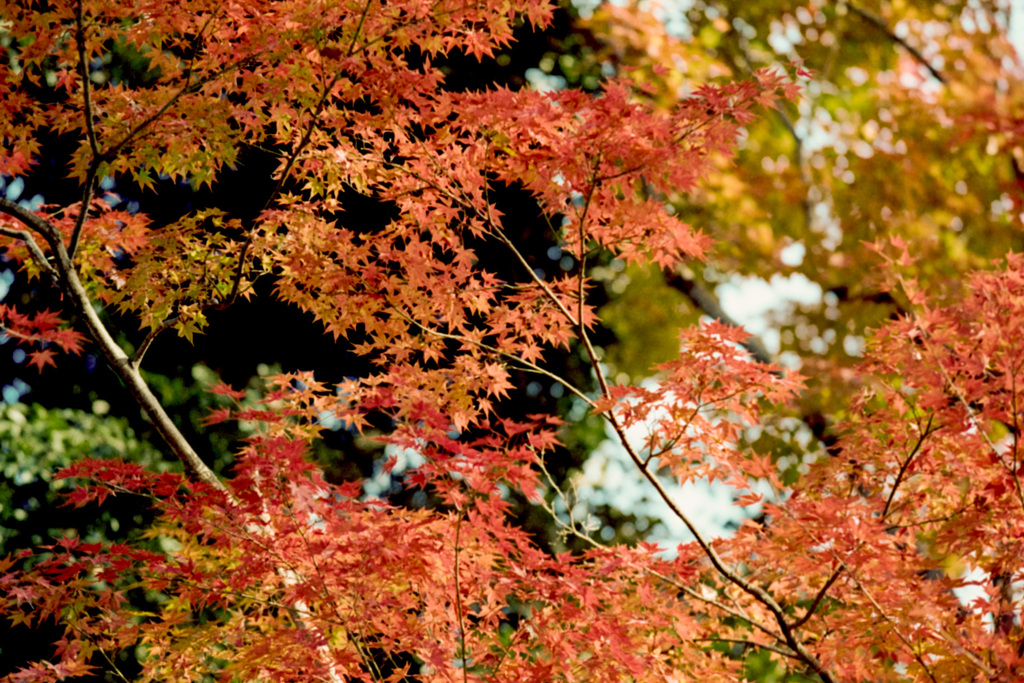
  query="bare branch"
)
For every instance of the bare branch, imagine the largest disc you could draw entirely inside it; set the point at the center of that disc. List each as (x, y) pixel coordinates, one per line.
(755, 591)
(83, 212)
(734, 613)
(45, 229)
(187, 89)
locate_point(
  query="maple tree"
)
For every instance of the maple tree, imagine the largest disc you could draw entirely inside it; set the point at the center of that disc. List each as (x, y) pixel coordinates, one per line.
(276, 572)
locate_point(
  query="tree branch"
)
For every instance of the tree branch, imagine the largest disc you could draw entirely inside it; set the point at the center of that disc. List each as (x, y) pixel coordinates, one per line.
(755, 591)
(90, 130)
(750, 643)
(570, 529)
(46, 230)
(892, 622)
(83, 72)
(458, 599)
(136, 359)
(37, 254)
(705, 301)
(818, 598)
(525, 365)
(294, 156)
(112, 351)
(903, 466)
(880, 24)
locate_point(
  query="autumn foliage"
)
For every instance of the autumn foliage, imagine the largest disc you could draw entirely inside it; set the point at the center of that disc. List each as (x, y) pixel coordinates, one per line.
(275, 573)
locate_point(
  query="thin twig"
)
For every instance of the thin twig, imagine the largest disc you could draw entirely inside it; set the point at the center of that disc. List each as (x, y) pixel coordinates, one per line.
(892, 622)
(755, 591)
(903, 467)
(817, 599)
(871, 598)
(971, 414)
(458, 598)
(732, 612)
(571, 529)
(83, 210)
(583, 262)
(92, 639)
(92, 174)
(731, 576)
(524, 364)
(187, 89)
(136, 358)
(751, 643)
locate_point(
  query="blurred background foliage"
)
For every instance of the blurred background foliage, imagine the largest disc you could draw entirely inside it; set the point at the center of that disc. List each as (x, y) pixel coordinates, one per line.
(909, 127)
(36, 442)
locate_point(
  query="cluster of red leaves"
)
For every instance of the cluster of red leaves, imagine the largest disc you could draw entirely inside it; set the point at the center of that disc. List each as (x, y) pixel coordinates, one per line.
(921, 499)
(40, 329)
(695, 414)
(294, 579)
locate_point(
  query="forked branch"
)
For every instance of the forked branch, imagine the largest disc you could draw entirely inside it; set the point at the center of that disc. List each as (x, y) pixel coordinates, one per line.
(73, 288)
(38, 257)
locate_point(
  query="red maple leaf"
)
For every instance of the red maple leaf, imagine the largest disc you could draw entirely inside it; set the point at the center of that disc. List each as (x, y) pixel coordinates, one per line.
(40, 359)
